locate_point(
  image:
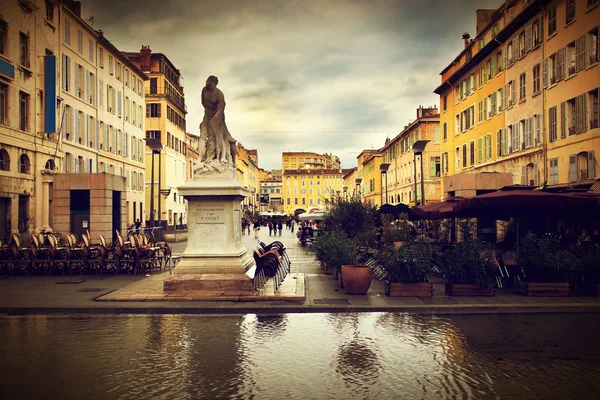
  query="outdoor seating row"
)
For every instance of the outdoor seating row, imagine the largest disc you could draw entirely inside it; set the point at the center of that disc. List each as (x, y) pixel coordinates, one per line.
(271, 261)
(141, 253)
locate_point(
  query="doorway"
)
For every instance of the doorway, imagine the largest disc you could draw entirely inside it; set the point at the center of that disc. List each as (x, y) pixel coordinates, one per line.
(80, 211)
(116, 213)
(4, 218)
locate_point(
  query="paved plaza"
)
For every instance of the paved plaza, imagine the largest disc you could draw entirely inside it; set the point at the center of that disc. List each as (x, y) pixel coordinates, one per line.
(306, 289)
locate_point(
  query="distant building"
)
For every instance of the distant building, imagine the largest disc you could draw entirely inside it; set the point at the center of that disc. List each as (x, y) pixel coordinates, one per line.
(521, 98)
(308, 160)
(306, 189)
(271, 191)
(399, 180)
(165, 125)
(248, 174)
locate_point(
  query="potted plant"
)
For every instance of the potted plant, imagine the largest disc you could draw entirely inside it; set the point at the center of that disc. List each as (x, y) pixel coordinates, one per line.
(352, 216)
(587, 263)
(334, 249)
(469, 268)
(545, 265)
(406, 268)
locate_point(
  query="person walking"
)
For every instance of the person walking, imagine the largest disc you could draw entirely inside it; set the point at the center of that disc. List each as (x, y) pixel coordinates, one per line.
(256, 229)
(280, 227)
(292, 223)
(270, 228)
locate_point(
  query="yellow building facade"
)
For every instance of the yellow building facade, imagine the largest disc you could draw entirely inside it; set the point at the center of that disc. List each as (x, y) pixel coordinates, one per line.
(307, 189)
(308, 160)
(502, 97)
(571, 85)
(399, 180)
(67, 83)
(249, 175)
(369, 177)
(165, 112)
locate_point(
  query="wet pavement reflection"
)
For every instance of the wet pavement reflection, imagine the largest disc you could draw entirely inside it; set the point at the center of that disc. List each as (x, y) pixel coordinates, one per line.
(300, 356)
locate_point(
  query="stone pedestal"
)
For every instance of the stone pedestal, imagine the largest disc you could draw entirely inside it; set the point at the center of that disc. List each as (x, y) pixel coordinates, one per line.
(215, 258)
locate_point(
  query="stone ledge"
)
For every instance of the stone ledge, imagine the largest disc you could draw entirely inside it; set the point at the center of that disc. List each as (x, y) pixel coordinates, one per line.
(195, 282)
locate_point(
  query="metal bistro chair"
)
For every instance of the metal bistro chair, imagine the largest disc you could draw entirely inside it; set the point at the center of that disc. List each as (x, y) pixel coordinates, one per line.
(91, 256)
(75, 255)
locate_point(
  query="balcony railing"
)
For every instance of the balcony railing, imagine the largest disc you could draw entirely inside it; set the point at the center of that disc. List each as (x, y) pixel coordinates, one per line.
(583, 174)
(593, 123)
(593, 58)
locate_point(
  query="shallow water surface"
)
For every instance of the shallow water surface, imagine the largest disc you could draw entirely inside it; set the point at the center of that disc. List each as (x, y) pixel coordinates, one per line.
(300, 356)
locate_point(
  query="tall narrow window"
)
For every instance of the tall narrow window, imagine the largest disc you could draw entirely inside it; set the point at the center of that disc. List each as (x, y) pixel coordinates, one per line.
(522, 86)
(551, 13)
(570, 15)
(67, 32)
(552, 134)
(80, 42)
(153, 85)
(23, 49)
(3, 103)
(23, 111)
(536, 79)
(49, 11)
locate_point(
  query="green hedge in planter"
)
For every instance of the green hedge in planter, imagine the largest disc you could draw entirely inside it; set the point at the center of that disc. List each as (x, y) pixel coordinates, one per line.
(334, 248)
(409, 263)
(470, 261)
(543, 260)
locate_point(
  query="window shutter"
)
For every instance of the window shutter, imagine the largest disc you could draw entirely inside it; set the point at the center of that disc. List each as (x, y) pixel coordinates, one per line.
(64, 72)
(523, 175)
(545, 73)
(536, 175)
(97, 139)
(572, 168)
(563, 120)
(86, 86)
(76, 79)
(591, 165)
(528, 37)
(584, 117)
(514, 93)
(72, 170)
(63, 124)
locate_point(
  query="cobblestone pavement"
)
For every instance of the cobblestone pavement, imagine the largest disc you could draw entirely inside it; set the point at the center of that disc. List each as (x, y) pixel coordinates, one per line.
(59, 294)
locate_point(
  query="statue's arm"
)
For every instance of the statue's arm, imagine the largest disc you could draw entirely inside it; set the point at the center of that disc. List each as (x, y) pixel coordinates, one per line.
(220, 106)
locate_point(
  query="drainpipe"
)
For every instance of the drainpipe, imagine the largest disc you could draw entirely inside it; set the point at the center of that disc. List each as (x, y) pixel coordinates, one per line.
(543, 116)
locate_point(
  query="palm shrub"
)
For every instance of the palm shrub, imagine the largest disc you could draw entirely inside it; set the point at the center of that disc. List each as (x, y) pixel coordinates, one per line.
(470, 261)
(409, 263)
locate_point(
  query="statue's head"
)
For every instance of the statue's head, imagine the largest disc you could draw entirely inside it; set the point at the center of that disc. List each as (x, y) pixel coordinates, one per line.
(212, 82)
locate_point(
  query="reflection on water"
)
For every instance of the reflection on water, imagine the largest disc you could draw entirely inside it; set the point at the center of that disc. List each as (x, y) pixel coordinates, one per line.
(299, 356)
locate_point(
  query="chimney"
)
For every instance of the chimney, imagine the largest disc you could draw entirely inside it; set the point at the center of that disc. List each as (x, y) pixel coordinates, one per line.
(484, 18)
(466, 38)
(145, 52)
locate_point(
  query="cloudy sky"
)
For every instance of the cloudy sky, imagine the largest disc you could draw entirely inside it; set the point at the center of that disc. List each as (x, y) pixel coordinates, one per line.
(327, 76)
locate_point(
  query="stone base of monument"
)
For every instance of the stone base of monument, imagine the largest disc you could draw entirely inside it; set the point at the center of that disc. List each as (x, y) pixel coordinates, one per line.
(215, 258)
(213, 282)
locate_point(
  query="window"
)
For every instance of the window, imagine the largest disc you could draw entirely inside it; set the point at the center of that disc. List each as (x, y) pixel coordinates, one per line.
(551, 13)
(4, 160)
(537, 33)
(479, 150)
(49, 11)
(480, 111)
(101, 57)
(580, 53)
(553, 171)
(536, 79)
(445, 103)
(3, 103)
(552, 134)
(472, 153)
(80, 42)
(111, 66)
(436, 134)
(152, 135)
(464, 156)
(23, 111)
(522, 86)
(445, 132)
(457, 158)
(23, 49)
(91, 50)
(593, 107)
(593, 45)
(570, 15)
(24, 164)
(434, 167)
(444, 163)
(67, 32)
(153, 85)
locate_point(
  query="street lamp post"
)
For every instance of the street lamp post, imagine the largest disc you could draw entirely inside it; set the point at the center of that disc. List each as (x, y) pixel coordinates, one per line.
(418, 148)
(156, 146)
(383, 168)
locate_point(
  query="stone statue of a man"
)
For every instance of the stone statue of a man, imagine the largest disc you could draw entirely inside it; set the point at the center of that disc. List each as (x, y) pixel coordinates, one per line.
(216, 147)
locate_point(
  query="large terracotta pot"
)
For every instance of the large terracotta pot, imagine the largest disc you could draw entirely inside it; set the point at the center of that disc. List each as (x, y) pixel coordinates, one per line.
(356, 278)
